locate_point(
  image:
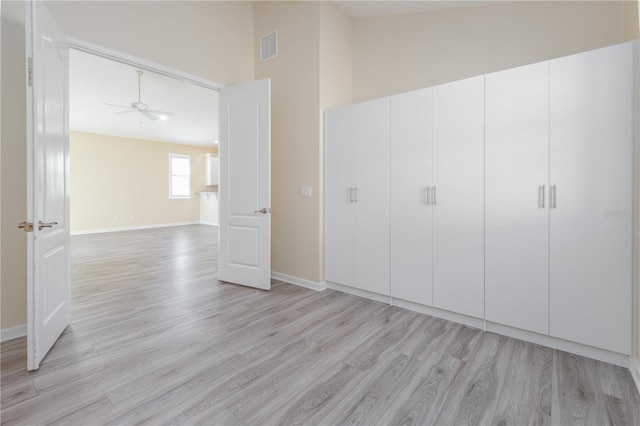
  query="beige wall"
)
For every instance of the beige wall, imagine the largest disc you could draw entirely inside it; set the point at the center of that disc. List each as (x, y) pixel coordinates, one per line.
(631, 18)
(295, 158)
(406, 52)
(312, 71)
(13, 293)
(211, 39)
(121, 182)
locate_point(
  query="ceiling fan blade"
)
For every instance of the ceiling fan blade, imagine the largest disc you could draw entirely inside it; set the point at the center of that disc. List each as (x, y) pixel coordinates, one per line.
(159, 112)
(149, 115)
(124, 112)
(119, 106)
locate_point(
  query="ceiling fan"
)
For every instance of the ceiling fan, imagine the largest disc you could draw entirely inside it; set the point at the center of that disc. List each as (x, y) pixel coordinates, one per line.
(141, 107)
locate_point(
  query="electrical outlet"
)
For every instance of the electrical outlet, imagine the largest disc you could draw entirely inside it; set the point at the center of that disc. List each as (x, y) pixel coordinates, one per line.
(305, 191)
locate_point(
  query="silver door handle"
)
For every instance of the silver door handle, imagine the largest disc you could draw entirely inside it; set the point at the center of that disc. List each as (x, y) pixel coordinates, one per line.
(552, 196)
(263, 211)
(356, 191)
(541, 197)
(434, 195)
(351, 194)
(426, 195)
(42, 224)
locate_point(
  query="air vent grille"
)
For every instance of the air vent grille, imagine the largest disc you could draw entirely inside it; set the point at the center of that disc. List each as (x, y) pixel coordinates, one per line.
(269, 46)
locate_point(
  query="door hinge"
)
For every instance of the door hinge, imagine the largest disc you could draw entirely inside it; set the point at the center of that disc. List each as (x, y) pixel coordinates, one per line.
(27, 226)
(30, 71)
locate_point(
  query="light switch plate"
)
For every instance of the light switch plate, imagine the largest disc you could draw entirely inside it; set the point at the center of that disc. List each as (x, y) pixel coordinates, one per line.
(305, 191)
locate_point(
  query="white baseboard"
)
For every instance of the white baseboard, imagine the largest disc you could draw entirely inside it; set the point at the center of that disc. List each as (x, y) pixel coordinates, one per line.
(560, 344)
(208, 223)
(13, 332)
(439, 313)
(133, 228)
(299, 281)
(358, 292)
(634, 367)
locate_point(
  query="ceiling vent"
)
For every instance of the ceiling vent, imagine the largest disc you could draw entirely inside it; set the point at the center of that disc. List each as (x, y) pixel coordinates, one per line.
(269, 46)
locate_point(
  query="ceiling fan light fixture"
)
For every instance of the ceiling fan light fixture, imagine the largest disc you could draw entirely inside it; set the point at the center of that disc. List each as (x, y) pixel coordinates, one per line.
(163, 117)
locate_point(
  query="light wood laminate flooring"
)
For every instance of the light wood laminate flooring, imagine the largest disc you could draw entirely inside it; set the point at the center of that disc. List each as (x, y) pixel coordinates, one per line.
(156, 339)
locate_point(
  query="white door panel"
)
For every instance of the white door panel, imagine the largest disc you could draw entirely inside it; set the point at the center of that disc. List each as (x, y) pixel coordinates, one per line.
(517, 224)
(592, 170)
(458, 209)
(372, 196)
(49, 299)
(245, 184)
(411, 214)
(340, 178)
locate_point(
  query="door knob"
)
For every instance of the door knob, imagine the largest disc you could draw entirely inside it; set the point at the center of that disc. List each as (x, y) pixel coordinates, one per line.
(42, 224)
(27, 226)
(263, 211)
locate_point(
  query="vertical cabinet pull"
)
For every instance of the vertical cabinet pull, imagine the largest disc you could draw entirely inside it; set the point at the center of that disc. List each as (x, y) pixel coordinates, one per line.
(426, 195)
(541, 196)
(434, 195)
(351, 194)
(552, 196)
(356, 194)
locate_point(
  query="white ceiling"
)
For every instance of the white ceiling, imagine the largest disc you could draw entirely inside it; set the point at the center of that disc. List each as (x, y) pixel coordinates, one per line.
(368, 9)
(94, 80)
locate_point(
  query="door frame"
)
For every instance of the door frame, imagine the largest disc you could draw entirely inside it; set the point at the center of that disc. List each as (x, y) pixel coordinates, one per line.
(125, 58)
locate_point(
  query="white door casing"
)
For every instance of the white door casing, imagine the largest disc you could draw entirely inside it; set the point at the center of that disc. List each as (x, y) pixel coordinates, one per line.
(245, 184)
(48, 275)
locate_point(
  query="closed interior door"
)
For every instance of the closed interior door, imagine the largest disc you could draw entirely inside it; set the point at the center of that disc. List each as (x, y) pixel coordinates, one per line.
(458, 202)
(372, 196)
(516, 191)
(591, 219)
(340, 181)
(411, 211)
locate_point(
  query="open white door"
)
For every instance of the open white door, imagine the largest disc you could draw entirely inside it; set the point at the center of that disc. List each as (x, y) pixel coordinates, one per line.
(245, 184)
(48, 276)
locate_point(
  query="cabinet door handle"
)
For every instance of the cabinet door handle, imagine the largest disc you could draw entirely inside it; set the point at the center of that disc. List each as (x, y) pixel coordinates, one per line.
(434, 194)
(426, 195)
(356, 197)
(541, 197)
(552, 196)
(351, 194)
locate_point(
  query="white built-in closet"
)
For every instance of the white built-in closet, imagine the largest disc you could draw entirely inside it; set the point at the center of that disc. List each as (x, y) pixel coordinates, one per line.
(503, 201)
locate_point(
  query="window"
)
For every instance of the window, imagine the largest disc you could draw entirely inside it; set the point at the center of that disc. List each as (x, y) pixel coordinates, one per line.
(180, 176)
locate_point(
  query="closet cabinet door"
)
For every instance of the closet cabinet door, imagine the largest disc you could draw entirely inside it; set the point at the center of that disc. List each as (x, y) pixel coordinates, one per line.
(458, 202)
(591, 221)
(340, 178)
(517, 218)
(372, 196)
(411, 213)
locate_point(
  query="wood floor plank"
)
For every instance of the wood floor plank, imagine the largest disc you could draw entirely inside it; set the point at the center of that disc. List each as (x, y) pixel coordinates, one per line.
(529, 377)
(155, 338)
(512, 413)
(575, 398)
(478, 385)
(422, 398)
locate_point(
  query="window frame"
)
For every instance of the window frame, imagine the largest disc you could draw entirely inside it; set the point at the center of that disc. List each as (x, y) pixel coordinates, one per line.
(171, 175)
